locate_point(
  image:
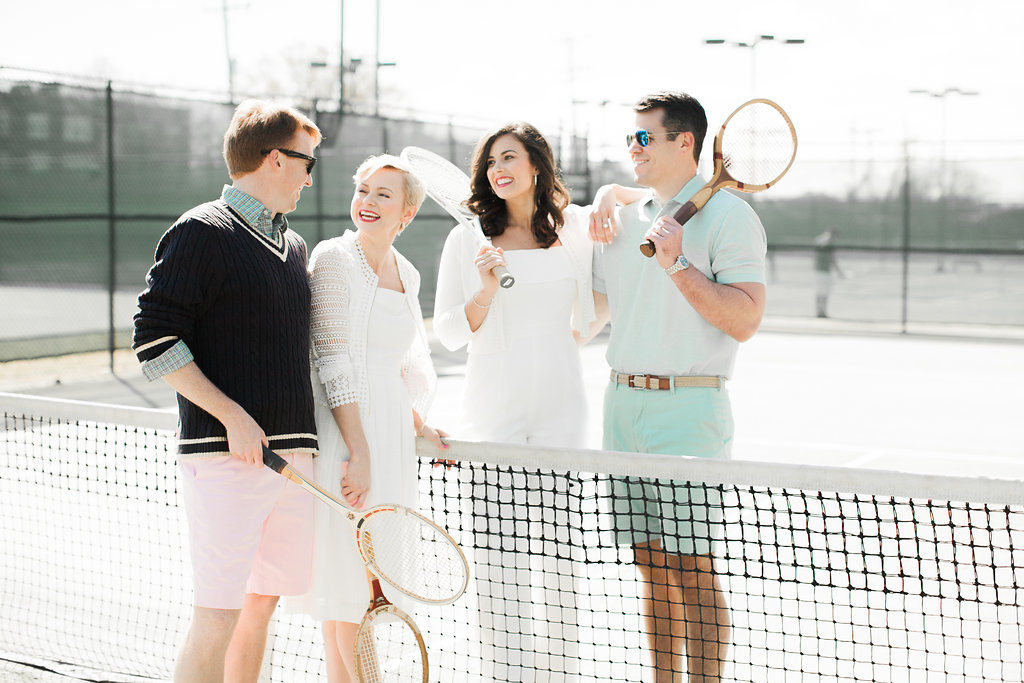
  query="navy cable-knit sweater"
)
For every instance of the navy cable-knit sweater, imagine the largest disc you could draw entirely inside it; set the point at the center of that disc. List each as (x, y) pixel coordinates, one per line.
(240, 303)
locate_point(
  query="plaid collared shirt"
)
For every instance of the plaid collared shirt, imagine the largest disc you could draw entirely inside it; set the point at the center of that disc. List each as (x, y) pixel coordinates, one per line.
(255, 213)
(259, 218)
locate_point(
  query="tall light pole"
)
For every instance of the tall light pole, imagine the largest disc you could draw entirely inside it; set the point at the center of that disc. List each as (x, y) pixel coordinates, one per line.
(944, 184)
(377, 64)
(752, 46)
(227, 53)
(314, 79)
(941, 96)
(341, 59)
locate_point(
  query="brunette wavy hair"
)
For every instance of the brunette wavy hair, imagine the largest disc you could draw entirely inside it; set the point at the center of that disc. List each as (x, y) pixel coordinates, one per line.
(550, 196)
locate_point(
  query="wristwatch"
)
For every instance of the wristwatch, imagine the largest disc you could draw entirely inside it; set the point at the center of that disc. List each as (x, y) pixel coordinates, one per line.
(680, 264)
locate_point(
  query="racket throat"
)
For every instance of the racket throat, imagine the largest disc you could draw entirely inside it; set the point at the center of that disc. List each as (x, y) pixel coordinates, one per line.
(377, 594)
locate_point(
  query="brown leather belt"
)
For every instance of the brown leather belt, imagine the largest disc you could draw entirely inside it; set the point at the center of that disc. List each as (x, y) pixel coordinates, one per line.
(663, 382)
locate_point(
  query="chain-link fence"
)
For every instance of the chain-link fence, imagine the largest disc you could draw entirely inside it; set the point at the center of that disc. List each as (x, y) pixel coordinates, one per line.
(921, 239)
(90, 177)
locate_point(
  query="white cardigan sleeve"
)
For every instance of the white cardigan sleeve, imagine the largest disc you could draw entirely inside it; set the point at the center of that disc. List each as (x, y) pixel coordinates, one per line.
(419, 376)
(450, 297)
(329, 328)
(417, 369)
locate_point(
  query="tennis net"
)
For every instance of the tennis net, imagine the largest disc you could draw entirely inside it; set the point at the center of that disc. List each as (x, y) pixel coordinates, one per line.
(827, 574)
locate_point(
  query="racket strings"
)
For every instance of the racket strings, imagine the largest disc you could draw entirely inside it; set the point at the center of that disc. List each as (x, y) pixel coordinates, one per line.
(758, 145)
(444, 182)
(388, 649)
(414, 556)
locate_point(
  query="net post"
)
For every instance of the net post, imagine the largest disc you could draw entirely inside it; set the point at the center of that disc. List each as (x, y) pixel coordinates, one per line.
(452, 149)
(111, 225)
(319, 193)
(905, 246)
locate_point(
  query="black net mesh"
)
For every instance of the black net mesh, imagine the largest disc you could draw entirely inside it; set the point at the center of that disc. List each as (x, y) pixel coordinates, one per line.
(805, 584)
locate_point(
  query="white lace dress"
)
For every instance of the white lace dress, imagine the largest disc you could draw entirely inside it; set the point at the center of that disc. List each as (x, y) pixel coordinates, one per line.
(366, 342)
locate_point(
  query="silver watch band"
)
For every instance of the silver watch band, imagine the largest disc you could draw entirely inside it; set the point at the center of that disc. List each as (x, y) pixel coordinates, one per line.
(681, 263)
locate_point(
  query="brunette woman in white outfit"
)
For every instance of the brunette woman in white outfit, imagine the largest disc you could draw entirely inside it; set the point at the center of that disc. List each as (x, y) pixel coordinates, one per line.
(373, 380)
(524, 384)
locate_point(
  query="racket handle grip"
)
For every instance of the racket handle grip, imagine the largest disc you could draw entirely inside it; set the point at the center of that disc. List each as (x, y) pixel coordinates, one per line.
(688, 211)
(505, 278)
(685, 213)
(273, 460)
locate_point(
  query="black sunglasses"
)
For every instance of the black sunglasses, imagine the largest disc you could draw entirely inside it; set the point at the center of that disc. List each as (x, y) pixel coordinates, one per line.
(310, 161)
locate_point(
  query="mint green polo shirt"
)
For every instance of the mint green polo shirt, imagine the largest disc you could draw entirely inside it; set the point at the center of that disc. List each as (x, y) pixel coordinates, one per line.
(654, 329)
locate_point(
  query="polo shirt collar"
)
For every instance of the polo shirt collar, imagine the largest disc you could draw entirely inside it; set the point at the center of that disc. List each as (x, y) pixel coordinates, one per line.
(689, 189)
(652, 209)
(683, 196)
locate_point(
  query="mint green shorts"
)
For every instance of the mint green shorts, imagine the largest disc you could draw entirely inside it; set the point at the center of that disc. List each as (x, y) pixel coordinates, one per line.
(686, 516)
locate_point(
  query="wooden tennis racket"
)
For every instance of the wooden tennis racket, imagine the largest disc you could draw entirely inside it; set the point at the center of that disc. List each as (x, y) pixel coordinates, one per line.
(397, 544)
(753, 149)
(447, 185)
(389, 646)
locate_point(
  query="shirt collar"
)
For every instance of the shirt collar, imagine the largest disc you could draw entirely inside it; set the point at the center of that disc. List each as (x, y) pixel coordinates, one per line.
(254, 212)
(653, 209)
(684, 194)
(689, 189)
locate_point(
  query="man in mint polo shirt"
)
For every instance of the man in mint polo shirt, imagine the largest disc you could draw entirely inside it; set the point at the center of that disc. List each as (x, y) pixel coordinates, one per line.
(677, 321)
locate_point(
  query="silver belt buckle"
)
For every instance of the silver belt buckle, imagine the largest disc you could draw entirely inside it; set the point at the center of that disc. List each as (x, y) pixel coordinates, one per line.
(639, 382)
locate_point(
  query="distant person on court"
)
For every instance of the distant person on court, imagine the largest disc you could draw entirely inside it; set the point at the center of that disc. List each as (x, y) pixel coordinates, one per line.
(524, 379)
(677, 321)
(825, 267)
(225, 322)
(373, 382)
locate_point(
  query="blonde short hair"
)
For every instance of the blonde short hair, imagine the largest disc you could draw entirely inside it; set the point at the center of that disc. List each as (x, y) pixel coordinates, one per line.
(414, 191)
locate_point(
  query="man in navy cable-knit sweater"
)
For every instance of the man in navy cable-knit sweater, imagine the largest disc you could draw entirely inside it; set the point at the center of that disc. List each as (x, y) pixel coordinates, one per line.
(225, 322)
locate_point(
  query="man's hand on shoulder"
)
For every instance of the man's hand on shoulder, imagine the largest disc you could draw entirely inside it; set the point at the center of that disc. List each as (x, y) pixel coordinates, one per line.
(603, 224)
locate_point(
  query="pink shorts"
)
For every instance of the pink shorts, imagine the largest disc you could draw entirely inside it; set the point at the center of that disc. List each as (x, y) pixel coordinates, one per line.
(250, 529)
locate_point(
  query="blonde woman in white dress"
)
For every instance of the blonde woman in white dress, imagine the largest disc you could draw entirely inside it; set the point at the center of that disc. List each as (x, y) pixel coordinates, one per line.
(524, 384)
(373, 381)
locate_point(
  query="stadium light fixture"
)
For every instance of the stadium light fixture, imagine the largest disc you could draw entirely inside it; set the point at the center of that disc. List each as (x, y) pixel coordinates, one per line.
(943, 93)
(751, 45)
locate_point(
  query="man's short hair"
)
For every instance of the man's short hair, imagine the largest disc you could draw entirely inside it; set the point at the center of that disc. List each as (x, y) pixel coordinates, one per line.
(259, 125)
(412, 187)
(682, 114)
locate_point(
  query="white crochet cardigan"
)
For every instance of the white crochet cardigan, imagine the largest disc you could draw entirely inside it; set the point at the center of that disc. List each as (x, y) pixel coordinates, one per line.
(458, 279)
(342, 287)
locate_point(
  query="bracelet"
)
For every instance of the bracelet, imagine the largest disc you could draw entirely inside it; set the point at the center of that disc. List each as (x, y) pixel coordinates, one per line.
(473, 299)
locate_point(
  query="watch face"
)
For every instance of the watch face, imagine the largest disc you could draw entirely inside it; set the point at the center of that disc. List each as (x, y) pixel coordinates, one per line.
(680, 264)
